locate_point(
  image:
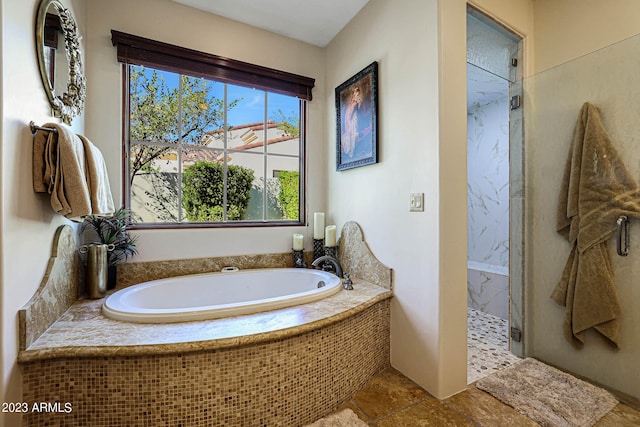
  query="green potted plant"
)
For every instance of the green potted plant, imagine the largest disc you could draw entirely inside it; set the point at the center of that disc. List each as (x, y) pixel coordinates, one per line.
(111, 230)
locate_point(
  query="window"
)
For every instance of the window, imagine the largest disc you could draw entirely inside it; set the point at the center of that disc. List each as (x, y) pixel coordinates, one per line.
(210, 144)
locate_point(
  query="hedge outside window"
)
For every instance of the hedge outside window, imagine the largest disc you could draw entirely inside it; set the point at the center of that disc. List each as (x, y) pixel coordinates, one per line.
(209, 152)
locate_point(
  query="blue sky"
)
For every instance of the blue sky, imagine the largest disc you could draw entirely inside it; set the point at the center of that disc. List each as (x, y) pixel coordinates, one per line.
(250, 109)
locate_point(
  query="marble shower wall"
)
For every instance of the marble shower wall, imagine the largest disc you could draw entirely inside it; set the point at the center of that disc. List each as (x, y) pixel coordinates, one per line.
(488, 205)
(488, 183)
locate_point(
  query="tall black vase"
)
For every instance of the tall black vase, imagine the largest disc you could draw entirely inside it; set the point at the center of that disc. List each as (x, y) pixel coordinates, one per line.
(111, 276)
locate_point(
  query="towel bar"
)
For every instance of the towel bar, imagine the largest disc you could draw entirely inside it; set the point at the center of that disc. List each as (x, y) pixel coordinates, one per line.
(623, 229)
(35, 128)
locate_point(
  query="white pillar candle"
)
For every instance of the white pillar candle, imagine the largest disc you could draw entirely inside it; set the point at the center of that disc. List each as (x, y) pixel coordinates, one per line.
(330, 236)
(298, 242)
(318, 225)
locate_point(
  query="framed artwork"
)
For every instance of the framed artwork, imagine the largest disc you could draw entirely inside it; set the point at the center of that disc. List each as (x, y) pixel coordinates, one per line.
(357, 120)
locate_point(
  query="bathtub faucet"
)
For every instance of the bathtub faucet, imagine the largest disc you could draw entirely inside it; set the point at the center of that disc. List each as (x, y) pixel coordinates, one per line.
(327, 259)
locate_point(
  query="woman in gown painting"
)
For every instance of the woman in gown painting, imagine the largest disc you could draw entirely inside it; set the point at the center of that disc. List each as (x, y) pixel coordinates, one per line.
(350, 130)
(357, 110)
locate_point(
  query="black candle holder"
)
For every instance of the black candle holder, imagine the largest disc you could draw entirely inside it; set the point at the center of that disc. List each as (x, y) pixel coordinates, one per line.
(332, 251)
(318, 248)
(298, 259)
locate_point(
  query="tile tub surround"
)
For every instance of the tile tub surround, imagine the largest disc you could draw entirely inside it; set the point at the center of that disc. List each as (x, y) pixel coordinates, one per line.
(289, 376)
(284, 367)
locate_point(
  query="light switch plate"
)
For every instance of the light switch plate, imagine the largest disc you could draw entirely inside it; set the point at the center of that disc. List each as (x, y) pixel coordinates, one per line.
(416, 202)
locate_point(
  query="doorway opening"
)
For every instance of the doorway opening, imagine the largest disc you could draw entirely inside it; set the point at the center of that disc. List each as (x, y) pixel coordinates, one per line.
(495, 196)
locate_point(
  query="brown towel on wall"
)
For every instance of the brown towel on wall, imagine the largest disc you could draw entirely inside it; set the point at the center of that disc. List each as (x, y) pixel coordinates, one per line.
(596, 189)
(72, 170)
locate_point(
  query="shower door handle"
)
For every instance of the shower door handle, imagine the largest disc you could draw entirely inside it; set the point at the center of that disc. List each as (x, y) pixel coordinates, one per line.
(623, 235)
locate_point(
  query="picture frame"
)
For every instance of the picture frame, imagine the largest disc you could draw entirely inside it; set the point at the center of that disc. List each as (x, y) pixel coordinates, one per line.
(357, 120)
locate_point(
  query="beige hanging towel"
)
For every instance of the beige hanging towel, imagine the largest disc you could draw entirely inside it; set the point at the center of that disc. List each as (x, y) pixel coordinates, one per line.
(596, 189)
(72, 170)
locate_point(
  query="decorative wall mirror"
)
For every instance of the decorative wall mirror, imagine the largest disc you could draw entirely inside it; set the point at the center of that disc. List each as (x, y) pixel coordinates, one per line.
(60, 60)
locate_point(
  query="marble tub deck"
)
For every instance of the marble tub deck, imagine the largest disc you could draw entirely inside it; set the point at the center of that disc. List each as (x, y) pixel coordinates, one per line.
(82, 331)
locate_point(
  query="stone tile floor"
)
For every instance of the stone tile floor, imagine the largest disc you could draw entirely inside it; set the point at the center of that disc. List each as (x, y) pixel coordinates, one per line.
(488, 345)
(392, 400)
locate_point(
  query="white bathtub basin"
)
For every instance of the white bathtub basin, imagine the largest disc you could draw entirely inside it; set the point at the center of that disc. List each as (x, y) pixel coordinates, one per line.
(215, 295)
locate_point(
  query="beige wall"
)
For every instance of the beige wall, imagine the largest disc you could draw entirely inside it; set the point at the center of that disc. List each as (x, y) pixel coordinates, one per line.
(452, 187)
(2, 321)
(28, 222)
(403, 38)
(421, 50)
(568, 29)
(205, 32)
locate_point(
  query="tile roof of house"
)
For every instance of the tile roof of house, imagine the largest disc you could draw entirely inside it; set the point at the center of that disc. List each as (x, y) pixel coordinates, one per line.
(246, 140)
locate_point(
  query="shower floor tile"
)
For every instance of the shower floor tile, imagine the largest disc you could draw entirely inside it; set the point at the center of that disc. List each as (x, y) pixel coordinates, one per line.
(488, 345)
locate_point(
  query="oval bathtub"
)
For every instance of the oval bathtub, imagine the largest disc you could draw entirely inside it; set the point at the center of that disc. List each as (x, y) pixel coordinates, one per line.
(215, 295)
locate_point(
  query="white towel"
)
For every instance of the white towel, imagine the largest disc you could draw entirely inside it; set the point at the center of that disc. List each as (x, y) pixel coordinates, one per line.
(97, 179)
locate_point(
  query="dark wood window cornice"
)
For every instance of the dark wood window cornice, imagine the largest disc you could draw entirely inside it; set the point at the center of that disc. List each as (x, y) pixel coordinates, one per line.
(137, 50)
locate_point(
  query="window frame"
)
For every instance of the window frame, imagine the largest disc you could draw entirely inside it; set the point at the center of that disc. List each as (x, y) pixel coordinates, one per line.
(135, 50)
